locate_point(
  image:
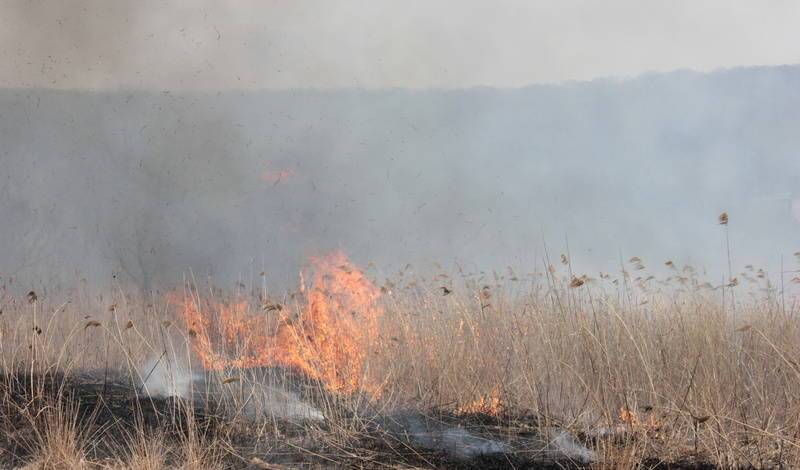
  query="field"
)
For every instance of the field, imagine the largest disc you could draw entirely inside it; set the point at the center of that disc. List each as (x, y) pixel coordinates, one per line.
(551, 368)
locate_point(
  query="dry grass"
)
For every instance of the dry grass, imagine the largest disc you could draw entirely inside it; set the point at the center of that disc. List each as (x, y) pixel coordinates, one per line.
(641, 369)
(145, 452)
(59, 443)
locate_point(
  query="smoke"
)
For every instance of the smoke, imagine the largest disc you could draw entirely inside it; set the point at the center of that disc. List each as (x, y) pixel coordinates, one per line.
(796, 208)
(167, 378)
(151, 187)
(458, 443)
(562, 443)
(255, 396)
(141, 143)
(552, 444)
(425, 432)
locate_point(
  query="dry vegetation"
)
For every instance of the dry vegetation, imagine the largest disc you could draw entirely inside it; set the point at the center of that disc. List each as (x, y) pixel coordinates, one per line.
(644, 371)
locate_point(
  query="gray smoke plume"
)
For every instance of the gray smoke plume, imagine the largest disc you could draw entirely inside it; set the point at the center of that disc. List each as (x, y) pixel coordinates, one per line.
(147, 186)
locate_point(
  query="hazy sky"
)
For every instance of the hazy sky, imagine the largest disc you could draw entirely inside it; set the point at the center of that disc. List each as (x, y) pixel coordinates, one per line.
(139, 180)
(203, 44)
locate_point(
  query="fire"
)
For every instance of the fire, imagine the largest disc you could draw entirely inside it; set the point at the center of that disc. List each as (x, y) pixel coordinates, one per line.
(329, 340)
(216, 329)
(635, 421)
(276, 176)
(490, 404)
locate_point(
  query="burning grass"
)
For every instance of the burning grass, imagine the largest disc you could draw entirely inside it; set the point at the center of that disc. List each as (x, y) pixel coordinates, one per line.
(328, 339)
(455, 370)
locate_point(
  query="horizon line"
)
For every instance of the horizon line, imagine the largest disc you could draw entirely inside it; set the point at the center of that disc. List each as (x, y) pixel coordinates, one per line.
(617, 80)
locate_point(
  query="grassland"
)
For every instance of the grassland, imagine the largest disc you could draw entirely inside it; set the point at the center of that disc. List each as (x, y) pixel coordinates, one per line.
(642, 371)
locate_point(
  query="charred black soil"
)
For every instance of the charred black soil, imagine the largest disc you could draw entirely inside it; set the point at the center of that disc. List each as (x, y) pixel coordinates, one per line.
(108, 410)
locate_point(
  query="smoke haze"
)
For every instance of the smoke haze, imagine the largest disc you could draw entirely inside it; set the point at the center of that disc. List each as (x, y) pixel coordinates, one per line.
(151, 140)
(150, 185)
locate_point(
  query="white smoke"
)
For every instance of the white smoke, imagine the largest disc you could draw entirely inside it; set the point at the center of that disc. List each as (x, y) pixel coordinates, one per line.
(564, 444)
(163, 378)
(167, 378)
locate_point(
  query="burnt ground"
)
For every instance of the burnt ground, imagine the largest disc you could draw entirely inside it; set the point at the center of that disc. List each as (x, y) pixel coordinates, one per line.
(114, 409)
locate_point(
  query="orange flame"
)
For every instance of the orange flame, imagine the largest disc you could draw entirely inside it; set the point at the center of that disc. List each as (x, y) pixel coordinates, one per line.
(636, 421)
(490, 404)
(330, 339)
(276, 176)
